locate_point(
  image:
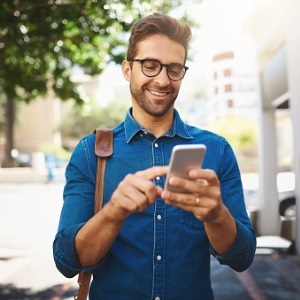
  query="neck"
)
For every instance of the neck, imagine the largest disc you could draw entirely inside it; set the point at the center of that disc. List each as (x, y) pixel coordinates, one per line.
(157, 125)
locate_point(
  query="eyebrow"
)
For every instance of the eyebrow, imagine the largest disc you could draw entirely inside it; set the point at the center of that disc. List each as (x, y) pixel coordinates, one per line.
(151, 58)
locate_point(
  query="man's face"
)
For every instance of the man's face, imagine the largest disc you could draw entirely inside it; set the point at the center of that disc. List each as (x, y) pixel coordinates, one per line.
(154, 95)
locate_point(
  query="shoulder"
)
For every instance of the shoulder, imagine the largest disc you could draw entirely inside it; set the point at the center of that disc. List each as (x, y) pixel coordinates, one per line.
(206, 135)
(218, 148)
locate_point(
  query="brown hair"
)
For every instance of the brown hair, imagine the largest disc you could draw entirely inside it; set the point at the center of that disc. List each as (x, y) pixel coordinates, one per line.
(158, 23)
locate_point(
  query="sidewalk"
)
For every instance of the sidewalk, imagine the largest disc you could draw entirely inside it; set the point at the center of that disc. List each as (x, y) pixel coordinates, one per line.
(29, 175)
(271, 277)
(19, 279)
(27, 269)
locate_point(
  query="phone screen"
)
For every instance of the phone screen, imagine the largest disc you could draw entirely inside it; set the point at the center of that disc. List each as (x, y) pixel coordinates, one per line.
(183, 159)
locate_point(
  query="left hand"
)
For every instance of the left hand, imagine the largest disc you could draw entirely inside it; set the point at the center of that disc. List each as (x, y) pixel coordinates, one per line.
(202, 197)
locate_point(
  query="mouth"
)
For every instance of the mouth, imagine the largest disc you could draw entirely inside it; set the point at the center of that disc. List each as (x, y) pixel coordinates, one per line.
(158, 93)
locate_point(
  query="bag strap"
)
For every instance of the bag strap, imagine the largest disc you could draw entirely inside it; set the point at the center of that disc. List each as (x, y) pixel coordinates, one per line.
(84, 279)
(103, 149)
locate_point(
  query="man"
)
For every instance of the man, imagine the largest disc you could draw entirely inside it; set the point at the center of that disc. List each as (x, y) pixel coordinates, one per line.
(147, 242)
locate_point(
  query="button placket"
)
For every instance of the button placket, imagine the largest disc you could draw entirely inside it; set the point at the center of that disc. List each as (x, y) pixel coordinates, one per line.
(159, 228)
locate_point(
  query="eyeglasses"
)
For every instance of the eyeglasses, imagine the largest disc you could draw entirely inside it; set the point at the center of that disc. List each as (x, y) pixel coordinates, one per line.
(152, 67)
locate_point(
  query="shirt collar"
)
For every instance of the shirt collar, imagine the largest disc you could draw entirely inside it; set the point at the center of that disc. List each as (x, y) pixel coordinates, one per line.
(178, 127)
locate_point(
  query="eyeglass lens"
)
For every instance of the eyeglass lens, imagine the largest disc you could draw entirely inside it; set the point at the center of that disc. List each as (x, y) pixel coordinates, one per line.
(152, 68)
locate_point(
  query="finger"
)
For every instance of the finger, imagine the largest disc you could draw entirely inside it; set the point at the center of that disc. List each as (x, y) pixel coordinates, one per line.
(134, 186)
(130, 198)
(179, 182)
(136, 182)
(187, 202)
(200, 206)
(204, 176)
(153, 172)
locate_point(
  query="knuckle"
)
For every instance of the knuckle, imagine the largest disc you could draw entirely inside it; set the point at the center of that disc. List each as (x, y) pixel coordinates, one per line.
(149, 186)
(128, 177)
(122, 184)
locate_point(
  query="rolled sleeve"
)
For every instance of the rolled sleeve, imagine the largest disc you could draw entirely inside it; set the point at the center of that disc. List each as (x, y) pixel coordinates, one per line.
(64, 252)
(241, 253)
(65, 255)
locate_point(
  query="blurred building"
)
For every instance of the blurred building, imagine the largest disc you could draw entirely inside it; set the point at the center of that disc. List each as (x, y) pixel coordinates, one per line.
(233, 87)
(275, 27)
(233, 99)
(38, 124)
(39, 121)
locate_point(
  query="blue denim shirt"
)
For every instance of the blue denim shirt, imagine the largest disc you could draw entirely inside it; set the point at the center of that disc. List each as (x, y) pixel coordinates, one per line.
(164, 252)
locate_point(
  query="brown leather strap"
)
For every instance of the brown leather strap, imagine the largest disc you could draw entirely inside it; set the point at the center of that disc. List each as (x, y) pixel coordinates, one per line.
(84, 279)
(103, 149)
(104, 142)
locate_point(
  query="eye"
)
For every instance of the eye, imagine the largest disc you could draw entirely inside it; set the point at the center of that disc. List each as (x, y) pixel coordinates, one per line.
(151, 65)
(176, 69)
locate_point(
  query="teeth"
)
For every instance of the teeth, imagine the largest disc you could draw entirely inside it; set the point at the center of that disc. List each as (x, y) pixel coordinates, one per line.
(158, 93)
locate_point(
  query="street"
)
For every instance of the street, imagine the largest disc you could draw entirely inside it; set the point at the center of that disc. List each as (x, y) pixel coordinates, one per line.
(29, 214)
(28, 220)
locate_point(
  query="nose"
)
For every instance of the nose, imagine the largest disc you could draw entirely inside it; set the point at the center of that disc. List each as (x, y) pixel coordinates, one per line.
(162, 79)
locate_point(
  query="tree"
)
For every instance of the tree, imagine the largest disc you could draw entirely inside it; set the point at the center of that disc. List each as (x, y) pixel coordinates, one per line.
(80, 120)
(242, 135)
(40, 41)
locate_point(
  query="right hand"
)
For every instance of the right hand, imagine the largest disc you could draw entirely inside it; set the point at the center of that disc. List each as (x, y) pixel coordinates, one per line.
(135, 193)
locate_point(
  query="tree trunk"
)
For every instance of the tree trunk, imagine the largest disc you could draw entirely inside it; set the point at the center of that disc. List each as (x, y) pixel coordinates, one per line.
(9, 133)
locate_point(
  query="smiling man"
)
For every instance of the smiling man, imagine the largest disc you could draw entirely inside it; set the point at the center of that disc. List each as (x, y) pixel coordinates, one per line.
(148, 242)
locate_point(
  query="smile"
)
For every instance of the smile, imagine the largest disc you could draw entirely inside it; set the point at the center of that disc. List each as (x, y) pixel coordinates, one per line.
(160, 94)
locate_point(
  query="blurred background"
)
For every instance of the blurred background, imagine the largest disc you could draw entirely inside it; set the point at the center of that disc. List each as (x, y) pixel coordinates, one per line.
(60, 77)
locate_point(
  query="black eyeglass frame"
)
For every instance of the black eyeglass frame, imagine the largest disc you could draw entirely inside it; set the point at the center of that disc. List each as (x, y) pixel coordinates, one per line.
(142, 61)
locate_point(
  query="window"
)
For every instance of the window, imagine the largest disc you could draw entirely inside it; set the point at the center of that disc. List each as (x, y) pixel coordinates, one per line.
(227, 72)
(230, 103)
(228, 88)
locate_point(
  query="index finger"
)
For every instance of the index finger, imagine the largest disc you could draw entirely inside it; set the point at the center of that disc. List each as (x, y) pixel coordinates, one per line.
(153, 172)
(207, 174)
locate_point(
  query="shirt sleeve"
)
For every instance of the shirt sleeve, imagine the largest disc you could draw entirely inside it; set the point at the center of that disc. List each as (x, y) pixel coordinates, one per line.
(241, 254)
(78, 207)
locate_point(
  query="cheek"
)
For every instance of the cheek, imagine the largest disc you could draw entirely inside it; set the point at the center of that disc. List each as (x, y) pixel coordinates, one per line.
(176, 86)
(139, 80)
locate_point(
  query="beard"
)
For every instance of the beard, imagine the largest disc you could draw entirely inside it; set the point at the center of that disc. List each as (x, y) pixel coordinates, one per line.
(154, 107)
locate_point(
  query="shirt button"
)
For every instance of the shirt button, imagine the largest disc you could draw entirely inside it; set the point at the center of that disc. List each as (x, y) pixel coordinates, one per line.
(158, 217)
(158, 257)
(157, 177)
(156, 145)
(157, 298)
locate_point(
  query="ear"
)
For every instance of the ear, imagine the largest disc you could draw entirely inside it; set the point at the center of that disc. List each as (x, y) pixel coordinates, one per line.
(126, 69)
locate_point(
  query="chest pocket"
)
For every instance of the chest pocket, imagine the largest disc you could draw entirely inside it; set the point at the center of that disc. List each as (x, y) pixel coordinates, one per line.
(188, 219)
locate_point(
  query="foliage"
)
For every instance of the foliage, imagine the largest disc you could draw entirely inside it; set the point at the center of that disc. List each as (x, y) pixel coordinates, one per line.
(2, 102)
(240, 132)
(82, 119)
(40, 41)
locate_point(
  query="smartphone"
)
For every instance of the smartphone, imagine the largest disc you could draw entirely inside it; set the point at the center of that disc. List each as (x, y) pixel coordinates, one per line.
(183, 159)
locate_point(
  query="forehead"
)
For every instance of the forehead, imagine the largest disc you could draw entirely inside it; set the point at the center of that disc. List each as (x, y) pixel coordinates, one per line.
(162, 48)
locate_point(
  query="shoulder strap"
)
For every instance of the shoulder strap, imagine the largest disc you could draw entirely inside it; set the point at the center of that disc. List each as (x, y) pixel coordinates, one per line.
(104, 142)
(103, 149)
